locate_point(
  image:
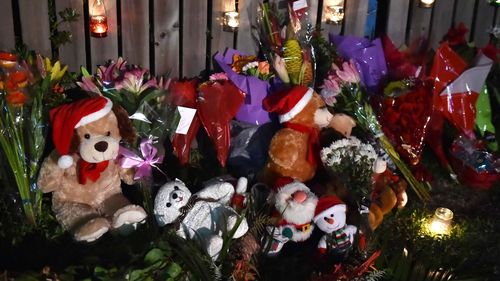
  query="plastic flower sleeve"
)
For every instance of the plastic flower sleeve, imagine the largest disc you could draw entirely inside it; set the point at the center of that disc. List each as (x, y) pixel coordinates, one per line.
(475, 166)
(183, 93)
(255, 90)
(367, 55)
(288, 43)
(405, 118)
(218, 103)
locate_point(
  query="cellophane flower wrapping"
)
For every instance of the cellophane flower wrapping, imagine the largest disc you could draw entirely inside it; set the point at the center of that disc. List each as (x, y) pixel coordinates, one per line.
(474, 164)
(285, 37)
(183, 93)
(252, 77)
(351, 99)
(368, 56)
(218, 103)
(27, 92)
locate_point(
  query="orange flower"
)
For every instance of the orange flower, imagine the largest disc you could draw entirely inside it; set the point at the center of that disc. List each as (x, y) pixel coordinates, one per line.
(7, 60)
(263, 67)
(16, 98)
(20, 78)
(240, 61)
(58, 89)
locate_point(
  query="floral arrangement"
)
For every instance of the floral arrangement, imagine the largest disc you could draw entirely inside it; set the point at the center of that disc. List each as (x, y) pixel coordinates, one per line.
(343, 90)
(352, 163)
(28, 88)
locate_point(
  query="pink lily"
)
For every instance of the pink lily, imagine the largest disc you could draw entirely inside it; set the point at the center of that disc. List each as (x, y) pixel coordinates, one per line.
(349, 73)
(110, 73)
(330, 89)
(87, 84)
(133, 81)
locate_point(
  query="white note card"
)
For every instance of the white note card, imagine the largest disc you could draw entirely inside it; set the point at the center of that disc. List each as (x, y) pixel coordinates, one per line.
(187, 115)
(299, 5)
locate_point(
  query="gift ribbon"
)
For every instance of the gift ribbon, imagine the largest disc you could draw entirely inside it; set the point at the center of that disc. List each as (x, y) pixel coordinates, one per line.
(142, 164)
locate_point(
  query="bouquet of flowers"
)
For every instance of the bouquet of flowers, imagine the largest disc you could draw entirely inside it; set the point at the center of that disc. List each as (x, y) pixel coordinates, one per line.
(144, 97)
(27, 91)
(352, 163)
(286, 43)
(342, 90)
(252, 77)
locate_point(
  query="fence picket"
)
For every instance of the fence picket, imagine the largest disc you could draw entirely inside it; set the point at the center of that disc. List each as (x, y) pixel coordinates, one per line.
(441, 21)
(73, 54)
(420, 22)
(221, 39)
(35, 25)
(355, 17)
(483, 20)
(7, 40)
(194, 37)
(135, 31)
(167, 37)
(246, 42)
(397, 19)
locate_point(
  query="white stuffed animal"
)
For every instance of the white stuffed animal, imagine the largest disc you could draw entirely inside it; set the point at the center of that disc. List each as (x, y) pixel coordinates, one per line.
(202, 217)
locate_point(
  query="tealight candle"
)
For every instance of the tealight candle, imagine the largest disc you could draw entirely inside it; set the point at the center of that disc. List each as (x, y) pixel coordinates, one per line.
(98, 20)
(440, 223)
(231, 21)
(426, 3)
(334, 14)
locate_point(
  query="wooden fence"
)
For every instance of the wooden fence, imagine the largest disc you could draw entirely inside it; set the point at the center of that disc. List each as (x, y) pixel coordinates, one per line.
(180, 36)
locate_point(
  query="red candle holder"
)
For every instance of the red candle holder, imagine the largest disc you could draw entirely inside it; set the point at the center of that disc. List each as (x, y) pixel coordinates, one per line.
(98, 19)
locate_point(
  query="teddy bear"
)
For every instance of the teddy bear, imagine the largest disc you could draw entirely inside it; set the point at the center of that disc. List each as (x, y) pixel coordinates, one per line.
(389, 191)
(294, 205)
(82, 174)
(202, 217)
(294, 149)
(330, 217)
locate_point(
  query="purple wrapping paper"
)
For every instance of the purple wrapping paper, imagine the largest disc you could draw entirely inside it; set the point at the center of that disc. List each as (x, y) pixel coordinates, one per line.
(368, 57)
(255, 90)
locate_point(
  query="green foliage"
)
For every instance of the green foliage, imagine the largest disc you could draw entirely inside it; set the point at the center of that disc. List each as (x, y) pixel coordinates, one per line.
(325, 55)
(58, 37)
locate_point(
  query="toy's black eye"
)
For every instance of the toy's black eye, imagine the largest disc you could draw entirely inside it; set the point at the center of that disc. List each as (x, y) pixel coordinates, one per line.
(108, 134)
(169, 204)
(87, 136)
(174, 196)
(176, 187)
(331, 215)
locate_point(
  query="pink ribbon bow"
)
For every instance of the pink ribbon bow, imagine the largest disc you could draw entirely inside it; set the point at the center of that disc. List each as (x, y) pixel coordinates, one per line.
(142, 165)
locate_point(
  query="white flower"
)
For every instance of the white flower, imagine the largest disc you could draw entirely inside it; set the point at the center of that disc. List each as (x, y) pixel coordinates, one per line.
(250, 65)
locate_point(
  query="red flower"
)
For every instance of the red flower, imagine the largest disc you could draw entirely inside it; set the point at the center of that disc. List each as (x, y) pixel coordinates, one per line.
(491, 51)
(16, 98)
(456, 35)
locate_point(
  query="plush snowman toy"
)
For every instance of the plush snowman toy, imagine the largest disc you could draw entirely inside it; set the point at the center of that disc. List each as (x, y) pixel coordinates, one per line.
(202, 217)
(330, 217)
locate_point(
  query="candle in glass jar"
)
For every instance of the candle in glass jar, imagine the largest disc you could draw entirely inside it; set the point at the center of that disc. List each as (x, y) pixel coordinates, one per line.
(440, 223)
(98, 26)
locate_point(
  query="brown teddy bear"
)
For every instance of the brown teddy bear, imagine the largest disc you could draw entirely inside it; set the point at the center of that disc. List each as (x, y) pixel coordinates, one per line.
(294, 149)
(82, 173)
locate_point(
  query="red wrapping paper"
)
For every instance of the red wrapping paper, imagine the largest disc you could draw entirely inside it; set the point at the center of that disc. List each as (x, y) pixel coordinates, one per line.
(218, 103)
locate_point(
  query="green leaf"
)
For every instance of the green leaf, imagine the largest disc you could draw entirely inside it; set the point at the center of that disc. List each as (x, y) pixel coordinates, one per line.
(135, 275)
(174, 270)
(153, 256)
(84, 71)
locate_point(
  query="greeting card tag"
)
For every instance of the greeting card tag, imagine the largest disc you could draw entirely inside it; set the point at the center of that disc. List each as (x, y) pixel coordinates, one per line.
(299, 5)
(187, 115)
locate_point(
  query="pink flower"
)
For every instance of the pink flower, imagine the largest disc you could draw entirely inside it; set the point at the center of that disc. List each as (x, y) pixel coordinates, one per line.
(110, 73)
(133, 81)
(349, 73)
(88, 85)
(218, 76)
(330, 89)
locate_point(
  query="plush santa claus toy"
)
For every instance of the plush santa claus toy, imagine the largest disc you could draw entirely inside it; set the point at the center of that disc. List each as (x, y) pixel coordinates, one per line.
(294, 210)
(330, 217)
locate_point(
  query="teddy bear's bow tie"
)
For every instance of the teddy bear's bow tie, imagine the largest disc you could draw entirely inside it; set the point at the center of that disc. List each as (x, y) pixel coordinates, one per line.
(90, 171)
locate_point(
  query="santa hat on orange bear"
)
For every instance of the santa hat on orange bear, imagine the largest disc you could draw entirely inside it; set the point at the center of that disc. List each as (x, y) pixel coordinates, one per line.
(67, 117)
(288, 102)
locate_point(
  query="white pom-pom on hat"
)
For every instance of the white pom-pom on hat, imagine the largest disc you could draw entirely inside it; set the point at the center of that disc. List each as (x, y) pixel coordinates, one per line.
(65, 161)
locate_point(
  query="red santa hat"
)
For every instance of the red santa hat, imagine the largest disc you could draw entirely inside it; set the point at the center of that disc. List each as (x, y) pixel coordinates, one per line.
(288, 103)
(67, 117)
(326, 202)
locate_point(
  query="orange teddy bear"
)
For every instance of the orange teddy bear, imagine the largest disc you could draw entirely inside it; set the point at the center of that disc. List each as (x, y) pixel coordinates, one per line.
(294, 149)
